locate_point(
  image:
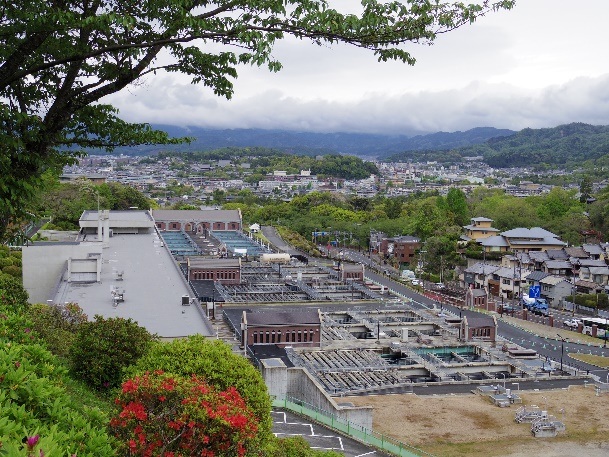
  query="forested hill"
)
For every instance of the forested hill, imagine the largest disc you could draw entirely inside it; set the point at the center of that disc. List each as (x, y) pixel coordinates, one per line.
(310, 143)
(564, 145)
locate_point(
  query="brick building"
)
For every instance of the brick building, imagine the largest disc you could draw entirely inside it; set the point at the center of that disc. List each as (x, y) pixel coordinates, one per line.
(478, 328)
(197, 221)
(297, 328)
(225, 271)
(350, 271)
(403, 248)
(476, 298)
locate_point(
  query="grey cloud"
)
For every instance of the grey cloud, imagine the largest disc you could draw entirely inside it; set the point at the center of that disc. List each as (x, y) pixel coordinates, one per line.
(474, 105)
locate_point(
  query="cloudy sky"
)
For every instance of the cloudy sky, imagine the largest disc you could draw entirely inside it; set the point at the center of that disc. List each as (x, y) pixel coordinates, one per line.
(544, 63)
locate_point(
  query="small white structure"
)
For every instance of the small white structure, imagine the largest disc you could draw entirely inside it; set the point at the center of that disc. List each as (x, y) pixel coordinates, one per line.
(275, 258)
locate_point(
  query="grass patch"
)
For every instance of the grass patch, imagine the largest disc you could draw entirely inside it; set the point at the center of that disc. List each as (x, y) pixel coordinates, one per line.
(597, 360)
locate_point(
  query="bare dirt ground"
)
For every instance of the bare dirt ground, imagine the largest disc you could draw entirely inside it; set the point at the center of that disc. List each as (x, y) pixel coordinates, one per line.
(471, 426)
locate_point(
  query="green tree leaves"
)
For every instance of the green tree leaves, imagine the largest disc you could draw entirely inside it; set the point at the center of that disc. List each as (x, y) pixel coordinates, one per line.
(59, 60)
(104, 347)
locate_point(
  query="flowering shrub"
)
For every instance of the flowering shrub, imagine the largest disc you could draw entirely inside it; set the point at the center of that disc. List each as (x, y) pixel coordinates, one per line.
(214, 361)
(170, 416)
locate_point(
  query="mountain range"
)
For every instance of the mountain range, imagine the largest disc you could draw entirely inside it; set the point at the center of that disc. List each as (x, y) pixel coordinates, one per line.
(564, 145)
(310, 143)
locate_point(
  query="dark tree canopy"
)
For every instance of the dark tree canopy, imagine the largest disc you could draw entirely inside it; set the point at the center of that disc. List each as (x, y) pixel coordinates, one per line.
(59, 58)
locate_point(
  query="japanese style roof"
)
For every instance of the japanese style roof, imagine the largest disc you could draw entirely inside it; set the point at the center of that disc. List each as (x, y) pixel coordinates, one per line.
(482, 268)
(593, 249)
(552, 280)
(592, 263)
(558, 264)
(599, 271)
(478, 228)
(494, 241)
(557, 254)
(539, 256)
(481, 219)
(535, 233)
(537, 275)
(577, 252)
(505, 272)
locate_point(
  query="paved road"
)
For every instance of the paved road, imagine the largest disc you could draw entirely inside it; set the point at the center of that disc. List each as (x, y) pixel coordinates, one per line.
(551, 349)
(271, 234)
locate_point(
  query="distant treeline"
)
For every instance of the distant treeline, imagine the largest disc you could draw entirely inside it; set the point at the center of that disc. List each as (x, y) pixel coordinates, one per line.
(264, 161)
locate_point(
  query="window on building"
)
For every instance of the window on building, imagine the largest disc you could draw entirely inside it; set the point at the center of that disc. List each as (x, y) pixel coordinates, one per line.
(304, 336)
(273, 337)
(255, 337)
(267, 337)
(299, 336)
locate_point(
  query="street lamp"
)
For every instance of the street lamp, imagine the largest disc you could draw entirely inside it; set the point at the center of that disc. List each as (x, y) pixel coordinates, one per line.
(503, 374)
(562, 348)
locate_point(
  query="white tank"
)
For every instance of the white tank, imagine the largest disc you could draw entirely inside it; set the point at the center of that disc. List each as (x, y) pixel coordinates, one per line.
(275, 258)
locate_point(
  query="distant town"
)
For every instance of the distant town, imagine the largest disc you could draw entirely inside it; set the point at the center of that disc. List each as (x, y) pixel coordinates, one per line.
(199, 181)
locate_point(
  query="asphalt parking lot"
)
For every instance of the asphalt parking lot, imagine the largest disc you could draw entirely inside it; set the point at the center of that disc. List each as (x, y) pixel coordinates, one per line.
(287, 424)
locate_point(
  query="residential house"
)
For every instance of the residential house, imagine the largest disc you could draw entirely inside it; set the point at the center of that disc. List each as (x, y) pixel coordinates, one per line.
(555, 288)
(506, 282)
(478, 274)
(594, 251)
(534, 277)
(479, 228)
(557, 267)
(533, 239)
(593, 270)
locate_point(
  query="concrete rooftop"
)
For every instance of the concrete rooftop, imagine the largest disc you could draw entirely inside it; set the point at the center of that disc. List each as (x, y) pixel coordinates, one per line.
(153, 288)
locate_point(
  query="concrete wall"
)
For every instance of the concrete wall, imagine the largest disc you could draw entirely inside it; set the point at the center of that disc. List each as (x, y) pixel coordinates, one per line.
(43, 263)
(297, 383)
(58, 235)
(302, 386)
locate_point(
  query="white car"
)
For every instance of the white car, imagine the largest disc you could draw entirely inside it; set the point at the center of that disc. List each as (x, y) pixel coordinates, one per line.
(415, 282)
(572, 323)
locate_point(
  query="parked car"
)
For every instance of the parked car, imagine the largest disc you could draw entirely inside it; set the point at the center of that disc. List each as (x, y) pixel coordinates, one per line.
(416, 282)
(572, 323)
(508, 309)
